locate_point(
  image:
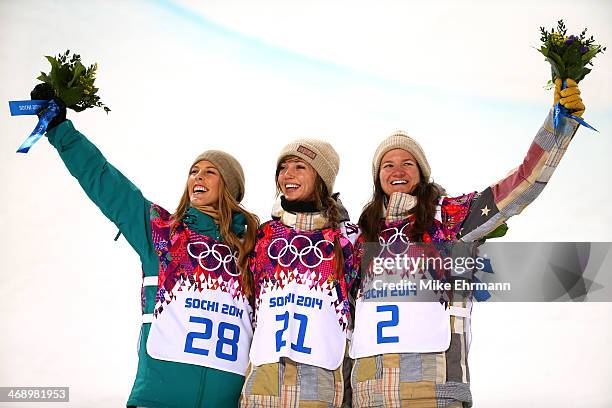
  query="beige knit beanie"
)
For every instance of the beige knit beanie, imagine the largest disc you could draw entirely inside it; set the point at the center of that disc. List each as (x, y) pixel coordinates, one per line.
(400, 140)
(230, 170)
(319, 154)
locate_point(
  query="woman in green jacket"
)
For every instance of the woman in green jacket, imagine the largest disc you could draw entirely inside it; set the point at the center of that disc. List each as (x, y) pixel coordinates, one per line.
(196, 330)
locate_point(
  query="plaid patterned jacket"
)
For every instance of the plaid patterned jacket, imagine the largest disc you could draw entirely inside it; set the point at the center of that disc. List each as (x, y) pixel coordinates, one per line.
(431, 380)
(286, 383)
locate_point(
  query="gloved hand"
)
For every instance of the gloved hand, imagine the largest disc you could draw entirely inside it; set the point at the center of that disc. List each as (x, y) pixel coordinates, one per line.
(569, 97)
(46, 92)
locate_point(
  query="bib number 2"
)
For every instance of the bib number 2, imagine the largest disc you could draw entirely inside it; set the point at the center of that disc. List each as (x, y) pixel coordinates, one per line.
(394, 321)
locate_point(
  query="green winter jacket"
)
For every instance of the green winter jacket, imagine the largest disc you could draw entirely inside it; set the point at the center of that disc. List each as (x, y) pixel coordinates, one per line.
(158, 383)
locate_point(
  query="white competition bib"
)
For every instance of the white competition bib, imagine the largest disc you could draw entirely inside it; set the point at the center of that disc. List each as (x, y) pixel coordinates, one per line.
(399, 327)
(208, 328)
(298, 323)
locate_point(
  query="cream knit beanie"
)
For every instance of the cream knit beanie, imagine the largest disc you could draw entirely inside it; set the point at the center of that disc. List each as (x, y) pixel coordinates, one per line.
(319, 154)
(400, 140)
(230, 170)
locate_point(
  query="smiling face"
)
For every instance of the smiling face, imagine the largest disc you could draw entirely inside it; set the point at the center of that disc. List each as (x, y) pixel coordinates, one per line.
(399, 172)
(296, 179)
(203, 184)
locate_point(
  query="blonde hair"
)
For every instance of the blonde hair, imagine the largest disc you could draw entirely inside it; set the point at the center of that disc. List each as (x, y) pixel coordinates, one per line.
(227, 206)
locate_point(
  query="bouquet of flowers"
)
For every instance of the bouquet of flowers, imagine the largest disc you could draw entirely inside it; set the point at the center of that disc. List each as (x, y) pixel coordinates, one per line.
(68, 80)
(72, 82)
(569, 57)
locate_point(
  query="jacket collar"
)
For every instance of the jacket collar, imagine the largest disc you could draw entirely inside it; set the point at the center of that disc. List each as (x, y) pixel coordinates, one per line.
(204, 224)
(306, 221)
(397, 206)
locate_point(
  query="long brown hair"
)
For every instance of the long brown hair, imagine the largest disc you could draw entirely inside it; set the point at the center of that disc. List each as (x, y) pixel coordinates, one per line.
(428, 195)
(328, 208)
(227, 206)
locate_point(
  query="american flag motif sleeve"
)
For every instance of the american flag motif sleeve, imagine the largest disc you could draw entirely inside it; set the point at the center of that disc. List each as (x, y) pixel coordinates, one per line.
(509, 196)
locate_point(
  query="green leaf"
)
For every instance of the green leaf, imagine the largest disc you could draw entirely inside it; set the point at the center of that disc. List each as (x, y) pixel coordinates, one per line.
(574, 72)
(498, 232)
(549, 85)
(54, 68)
(590, 54)
(54, 63)
(555, 57)
(77, 72)
(571, 56)
(557, 64)
(543, 51)
(584, 73)
(554, 69)
(63, 76)
(44, 78)
(71, 96)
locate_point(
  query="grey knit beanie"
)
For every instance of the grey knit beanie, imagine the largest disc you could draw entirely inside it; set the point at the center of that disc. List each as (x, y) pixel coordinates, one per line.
(400, 140)
(230, 170)
(319, 154)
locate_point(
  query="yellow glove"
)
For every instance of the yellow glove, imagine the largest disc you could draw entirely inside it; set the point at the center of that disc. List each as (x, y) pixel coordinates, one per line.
(569, 97)
(558, 83)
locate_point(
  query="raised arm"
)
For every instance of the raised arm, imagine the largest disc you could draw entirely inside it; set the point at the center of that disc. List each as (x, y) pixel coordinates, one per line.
(509, 196)
(118, 199)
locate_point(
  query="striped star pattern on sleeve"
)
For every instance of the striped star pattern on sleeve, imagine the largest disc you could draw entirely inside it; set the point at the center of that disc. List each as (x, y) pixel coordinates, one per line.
(509, 196)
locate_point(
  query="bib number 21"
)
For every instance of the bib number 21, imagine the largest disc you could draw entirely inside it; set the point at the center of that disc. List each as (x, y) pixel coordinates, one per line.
(299, 345)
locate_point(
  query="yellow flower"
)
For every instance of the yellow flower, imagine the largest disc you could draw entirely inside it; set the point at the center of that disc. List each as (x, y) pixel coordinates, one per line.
(557, 38)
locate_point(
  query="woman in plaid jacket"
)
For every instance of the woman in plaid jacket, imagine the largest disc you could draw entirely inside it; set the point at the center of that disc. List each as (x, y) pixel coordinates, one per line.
(303, 267)
(406, 353)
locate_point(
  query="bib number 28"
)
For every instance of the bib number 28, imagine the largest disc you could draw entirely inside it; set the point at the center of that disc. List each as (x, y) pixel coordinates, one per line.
(227, 339)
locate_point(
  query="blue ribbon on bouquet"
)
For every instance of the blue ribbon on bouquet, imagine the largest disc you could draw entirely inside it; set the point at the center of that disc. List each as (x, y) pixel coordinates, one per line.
(482, 295)
(561, 110)
(33, 107)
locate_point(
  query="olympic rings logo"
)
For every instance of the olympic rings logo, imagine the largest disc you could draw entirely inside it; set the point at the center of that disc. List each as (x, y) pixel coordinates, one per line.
(388, 244)
(290, 247)
(224, 260)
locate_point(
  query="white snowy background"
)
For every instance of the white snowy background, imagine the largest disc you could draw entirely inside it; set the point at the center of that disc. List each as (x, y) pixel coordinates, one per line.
(463, 78)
